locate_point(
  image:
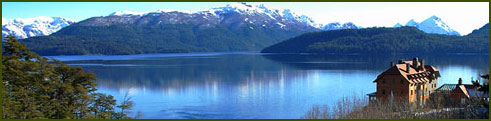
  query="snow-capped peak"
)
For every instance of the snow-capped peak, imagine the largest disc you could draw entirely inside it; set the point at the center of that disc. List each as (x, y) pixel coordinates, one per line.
(412, 23)
(37, 26)
(433, 24)
(182, 11)
(397, 25)
(40, 19)
(127, 13)
(434, 17)
(282, 15)
(241, 6)
(261, 9)
(338, 25)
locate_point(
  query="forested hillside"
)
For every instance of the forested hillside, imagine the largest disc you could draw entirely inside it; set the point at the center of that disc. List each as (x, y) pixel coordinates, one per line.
(383, 40)
(235, 27)
(168, 38)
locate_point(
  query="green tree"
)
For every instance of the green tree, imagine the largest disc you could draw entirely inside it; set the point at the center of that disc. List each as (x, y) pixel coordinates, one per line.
(22, 80)
(102, 106)
(33, 88)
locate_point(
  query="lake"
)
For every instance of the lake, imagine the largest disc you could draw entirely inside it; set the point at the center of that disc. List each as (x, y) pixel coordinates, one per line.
(247, 85)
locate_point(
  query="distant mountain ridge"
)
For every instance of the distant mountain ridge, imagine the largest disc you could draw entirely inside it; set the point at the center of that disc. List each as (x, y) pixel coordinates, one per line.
(235, 27)
(383, 41)
(30, 27)
(433, 24)
(283, 16)
(42, 26)
(257, 15)
(338, 26)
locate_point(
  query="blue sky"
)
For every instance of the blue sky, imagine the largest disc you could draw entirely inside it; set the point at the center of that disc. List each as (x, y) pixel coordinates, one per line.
(463, 17)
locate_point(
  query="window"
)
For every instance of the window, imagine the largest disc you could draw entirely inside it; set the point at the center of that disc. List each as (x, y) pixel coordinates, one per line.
(383, 92)
(412, 92)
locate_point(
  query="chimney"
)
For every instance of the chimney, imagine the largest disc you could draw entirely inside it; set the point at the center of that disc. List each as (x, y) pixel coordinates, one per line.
(460, 81)
(476, 83)
(407, 67)
(392, 64)
(422, 64)
(415, 62)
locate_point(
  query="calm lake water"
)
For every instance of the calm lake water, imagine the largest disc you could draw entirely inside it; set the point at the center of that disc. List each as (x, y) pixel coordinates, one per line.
(250, 85)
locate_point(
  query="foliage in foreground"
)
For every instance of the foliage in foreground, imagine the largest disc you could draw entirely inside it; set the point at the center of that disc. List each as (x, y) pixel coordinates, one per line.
(439, 106)
(32, 88)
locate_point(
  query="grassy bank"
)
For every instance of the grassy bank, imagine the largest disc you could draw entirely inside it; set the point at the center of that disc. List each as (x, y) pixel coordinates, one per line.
(439, 106)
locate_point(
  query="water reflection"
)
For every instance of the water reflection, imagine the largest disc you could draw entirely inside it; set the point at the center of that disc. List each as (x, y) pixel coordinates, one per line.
(250, 85)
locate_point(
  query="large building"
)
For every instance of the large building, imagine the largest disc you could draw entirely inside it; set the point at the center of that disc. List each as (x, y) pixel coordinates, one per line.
(408, 81)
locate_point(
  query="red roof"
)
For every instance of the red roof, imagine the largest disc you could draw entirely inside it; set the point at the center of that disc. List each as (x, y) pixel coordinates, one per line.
(413, 75)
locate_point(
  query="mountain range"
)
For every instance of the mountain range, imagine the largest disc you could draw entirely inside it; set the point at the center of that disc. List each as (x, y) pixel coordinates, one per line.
(259, 15)
(30, 27)
(234, 27)
(42, 26)
(433, 24)
(338, 26)
(245, 9)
